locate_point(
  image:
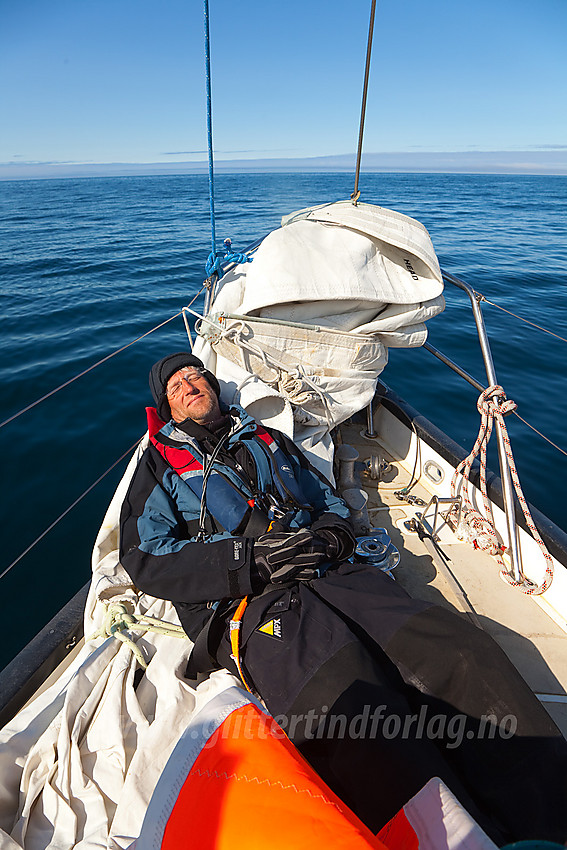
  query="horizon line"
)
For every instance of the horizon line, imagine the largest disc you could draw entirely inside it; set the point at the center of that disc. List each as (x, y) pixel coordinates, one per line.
(552, 161)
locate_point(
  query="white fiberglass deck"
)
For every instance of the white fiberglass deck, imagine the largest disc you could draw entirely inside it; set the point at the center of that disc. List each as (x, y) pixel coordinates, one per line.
(535, 643)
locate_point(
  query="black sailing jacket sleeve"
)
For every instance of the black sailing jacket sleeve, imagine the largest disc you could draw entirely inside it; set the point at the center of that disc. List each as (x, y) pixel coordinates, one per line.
(158, 519)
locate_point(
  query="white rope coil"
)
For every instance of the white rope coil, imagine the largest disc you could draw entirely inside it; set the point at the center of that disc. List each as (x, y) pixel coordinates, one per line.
(291, 382)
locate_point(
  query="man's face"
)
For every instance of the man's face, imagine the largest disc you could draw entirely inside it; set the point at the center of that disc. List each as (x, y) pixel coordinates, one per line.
(190, 395)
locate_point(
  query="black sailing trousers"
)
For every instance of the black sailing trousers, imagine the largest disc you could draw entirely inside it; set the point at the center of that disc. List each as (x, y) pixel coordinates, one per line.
(381, 692)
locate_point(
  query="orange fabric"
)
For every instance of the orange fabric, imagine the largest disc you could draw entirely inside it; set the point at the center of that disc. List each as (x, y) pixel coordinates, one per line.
(235, 626)
(399, 834)
(250, 789)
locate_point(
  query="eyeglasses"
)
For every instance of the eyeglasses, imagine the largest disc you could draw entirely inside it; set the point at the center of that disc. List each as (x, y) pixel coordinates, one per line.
(190, 376)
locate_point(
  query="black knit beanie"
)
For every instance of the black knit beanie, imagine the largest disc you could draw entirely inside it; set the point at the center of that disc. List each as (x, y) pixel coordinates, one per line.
(162, 371)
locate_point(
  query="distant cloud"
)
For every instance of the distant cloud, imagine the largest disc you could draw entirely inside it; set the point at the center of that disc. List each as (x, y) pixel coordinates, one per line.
(250, 150)
(180, 153)
(47, 161)
(547, 147)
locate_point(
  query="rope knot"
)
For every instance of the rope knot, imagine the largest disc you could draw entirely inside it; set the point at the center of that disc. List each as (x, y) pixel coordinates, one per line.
(493, 401)
(117, 619)
(217, 259)
(493, 405)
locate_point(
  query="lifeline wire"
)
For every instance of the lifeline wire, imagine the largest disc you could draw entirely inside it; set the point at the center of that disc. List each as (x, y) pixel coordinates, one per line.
(521, 318)
(80, 375)
(551, 443)
(67, 510)
(99, 363)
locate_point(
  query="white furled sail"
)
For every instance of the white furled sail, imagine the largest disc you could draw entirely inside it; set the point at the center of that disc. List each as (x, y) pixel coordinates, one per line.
(300, 335)
(79, 764)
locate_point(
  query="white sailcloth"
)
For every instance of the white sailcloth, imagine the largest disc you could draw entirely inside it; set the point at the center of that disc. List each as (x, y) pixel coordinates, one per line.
(79, 764)
(299, 336)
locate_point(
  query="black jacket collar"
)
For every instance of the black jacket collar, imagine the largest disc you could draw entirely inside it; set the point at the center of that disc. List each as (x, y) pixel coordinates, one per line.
(204, 432)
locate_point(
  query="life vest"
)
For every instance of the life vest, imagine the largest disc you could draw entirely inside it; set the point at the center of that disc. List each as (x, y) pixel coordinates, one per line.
(228, 497)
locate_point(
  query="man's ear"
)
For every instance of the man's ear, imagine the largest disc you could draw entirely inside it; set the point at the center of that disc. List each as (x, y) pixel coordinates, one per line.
(212, 381)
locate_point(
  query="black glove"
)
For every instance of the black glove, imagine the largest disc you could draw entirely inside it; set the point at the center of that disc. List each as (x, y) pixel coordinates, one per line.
(338, 534)
(283, 556)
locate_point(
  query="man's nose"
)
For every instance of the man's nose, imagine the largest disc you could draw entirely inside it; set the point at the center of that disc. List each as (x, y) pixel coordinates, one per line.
(191, 385)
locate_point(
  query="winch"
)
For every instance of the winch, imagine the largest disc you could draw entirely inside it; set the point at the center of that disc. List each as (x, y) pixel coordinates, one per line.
(377, 549)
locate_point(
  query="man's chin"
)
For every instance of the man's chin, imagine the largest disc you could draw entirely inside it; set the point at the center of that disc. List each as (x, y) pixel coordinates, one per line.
(202, 414)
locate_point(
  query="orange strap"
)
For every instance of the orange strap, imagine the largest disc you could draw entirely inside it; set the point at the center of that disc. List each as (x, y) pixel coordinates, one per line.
(235, 625)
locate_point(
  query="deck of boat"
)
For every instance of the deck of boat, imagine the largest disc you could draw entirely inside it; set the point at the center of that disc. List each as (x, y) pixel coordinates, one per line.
(531, 639)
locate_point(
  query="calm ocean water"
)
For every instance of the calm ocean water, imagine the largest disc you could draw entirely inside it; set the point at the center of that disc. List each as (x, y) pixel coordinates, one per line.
(89, 265)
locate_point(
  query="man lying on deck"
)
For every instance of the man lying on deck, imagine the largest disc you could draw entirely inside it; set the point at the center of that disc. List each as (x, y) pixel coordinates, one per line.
(379, 691)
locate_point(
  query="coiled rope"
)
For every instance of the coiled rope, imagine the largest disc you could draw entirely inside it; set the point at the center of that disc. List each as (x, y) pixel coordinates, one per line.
(217, 259)
(493, 405)
(118, 620)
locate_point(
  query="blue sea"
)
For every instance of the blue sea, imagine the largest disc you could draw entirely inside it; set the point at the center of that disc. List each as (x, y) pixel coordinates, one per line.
(89, 265)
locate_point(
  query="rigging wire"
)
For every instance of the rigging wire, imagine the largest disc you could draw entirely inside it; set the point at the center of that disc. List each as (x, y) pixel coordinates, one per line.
(521, 318)
(98, 363)
(551, 443)
(356, 194)
(214, 266)
(86, 371)
(67, 510)
(209, 125)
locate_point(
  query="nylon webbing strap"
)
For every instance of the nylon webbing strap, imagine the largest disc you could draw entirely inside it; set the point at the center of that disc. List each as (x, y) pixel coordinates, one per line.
(235, 626)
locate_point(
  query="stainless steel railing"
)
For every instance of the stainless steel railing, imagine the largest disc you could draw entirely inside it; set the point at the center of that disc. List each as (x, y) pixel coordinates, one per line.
(507, 487)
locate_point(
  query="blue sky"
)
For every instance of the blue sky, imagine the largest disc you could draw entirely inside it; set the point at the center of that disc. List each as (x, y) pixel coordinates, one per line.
(107, 81)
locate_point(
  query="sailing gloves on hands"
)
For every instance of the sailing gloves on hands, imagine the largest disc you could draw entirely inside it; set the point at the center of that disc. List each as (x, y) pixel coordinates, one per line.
(282, 556)
(339, 535)
(298, 555)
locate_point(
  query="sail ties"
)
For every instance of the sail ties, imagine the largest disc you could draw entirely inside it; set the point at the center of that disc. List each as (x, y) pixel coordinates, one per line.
(118, 620)
(493, 405)
(288, 378)
(235, 340)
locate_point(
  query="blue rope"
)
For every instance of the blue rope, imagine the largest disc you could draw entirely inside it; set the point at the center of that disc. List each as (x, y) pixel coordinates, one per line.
(217, 259)
(213, 264)
(209, 126)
